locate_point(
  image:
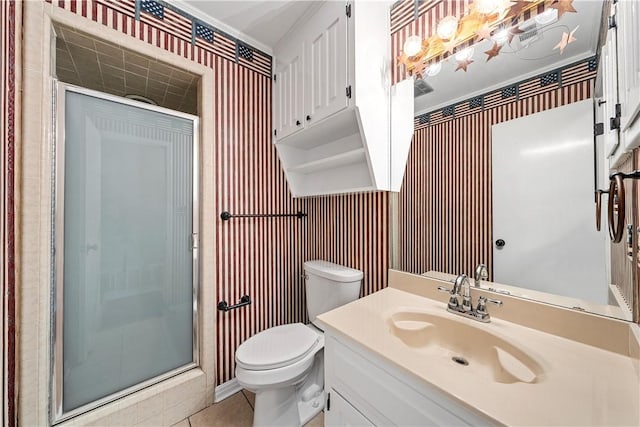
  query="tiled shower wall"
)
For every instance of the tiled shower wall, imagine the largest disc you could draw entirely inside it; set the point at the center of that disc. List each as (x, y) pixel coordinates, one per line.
(259, 257)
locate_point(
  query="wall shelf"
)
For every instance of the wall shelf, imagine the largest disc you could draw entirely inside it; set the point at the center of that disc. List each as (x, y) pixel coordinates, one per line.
(343, 159)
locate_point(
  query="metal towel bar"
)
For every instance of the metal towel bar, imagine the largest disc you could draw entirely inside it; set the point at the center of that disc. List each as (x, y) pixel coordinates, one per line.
(223, 306)
(225, 216)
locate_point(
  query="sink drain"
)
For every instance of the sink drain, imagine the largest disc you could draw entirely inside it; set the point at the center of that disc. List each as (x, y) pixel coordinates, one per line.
(460, 360)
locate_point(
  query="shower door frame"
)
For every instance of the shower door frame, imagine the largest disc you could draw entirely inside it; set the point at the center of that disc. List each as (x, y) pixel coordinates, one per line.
(56, 412)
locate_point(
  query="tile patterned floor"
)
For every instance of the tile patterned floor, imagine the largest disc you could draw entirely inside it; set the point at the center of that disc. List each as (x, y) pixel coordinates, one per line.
(235, 411)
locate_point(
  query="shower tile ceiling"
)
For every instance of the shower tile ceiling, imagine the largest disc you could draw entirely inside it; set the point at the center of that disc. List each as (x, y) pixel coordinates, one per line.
(107, 67)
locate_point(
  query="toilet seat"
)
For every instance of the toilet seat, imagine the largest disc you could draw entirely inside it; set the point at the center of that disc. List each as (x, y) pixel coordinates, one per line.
(276, 347)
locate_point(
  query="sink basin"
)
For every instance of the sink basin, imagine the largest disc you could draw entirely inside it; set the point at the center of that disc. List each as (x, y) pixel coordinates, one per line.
(445, 339)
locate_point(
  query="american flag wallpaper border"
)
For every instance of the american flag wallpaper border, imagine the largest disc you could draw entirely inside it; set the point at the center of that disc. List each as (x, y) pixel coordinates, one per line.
(576, 72)
(168, 27)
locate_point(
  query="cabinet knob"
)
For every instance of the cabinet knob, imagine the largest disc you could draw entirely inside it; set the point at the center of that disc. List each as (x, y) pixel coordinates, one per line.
(297, 122)
(308, 118)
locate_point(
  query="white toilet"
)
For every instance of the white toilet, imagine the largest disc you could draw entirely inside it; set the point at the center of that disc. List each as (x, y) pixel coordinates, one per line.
(284, 365)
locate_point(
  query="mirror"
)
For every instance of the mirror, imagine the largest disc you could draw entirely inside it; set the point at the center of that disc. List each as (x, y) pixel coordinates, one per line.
(503, 165)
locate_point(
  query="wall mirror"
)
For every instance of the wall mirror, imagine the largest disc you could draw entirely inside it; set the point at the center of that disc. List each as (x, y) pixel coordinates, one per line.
(504, 163)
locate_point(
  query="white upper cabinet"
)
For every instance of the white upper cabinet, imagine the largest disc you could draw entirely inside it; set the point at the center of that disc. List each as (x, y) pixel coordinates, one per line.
(620, 71)
(609, 97)
(628, 27)
(332, 101)
(326, 62)
(288, 92)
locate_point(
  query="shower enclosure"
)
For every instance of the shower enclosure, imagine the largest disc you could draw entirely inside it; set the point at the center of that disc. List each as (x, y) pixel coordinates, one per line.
(124, 248)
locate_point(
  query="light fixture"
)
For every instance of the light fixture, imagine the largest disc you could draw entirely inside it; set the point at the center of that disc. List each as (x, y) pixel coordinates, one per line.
(433, 69)
(501, 36)
(464, 55)
(547, 17)
(447, 27)
(412, 46)
(494, 20)
(487, 7)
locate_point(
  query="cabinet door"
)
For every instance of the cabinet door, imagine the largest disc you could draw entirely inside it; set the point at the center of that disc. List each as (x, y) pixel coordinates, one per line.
(326, 62)
(608, 68)
(628, 14)
(343, 414)
(288, 92)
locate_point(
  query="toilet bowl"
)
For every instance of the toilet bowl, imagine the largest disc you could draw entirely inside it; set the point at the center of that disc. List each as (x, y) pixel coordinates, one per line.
(284, 365)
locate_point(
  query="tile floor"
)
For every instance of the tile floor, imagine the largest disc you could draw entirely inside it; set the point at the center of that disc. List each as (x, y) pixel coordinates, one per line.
(236, 411)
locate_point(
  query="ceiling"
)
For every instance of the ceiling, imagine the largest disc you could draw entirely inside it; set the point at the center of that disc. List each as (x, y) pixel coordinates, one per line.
(106, 67)
(516, 62)
(260, 23)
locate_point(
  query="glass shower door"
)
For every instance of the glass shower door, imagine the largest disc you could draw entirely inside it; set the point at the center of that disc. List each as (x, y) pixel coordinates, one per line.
(126, 251)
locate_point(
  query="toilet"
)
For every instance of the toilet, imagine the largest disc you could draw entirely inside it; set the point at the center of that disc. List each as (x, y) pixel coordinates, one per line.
(284, 365)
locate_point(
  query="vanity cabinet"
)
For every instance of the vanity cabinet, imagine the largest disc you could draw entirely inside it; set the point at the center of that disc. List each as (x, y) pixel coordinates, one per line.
(364, 389)
(332, 102)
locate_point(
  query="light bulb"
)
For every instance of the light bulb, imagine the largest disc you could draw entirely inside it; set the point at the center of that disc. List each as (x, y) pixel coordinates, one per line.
(547, 17)
(464, 55)
(434, 69)
(487, 6)
(412, 46)
(500, 37)
(447, 27)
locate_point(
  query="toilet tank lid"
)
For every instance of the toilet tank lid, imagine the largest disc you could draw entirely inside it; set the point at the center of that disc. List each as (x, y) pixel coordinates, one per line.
(331, 271)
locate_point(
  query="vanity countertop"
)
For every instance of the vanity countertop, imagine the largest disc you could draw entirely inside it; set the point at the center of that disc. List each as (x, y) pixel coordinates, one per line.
(581, 384)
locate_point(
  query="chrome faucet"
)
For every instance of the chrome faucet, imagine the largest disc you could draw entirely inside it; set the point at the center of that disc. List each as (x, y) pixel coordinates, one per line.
(481, 274)
(462, 287)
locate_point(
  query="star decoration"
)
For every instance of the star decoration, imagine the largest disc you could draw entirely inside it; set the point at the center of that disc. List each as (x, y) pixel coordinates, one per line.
(566, 39)
(514, 31)
(563, 6)
(462, 65)
(493, 52)
(484, 32)
(449, 45)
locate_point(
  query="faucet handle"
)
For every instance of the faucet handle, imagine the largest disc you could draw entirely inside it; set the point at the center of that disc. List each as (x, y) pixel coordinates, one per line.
(453, 297)
(494, 301)
(482, 303)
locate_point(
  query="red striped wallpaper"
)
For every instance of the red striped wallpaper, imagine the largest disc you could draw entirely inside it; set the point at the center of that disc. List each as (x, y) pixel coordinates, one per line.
(352, 230)
(11, 28)
(260, 257)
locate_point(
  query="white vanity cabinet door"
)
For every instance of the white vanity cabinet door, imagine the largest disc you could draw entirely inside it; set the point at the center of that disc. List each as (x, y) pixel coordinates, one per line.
(343, 414)
(383, 394)
(326, 62)
(288, 91)
(628, 28)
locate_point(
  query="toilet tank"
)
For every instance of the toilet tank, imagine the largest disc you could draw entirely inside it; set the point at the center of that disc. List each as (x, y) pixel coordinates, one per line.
(329, 285)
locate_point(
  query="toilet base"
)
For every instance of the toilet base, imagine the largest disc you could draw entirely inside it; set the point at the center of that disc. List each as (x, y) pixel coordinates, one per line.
(292, 405)
(283, 407)
(308, 410)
